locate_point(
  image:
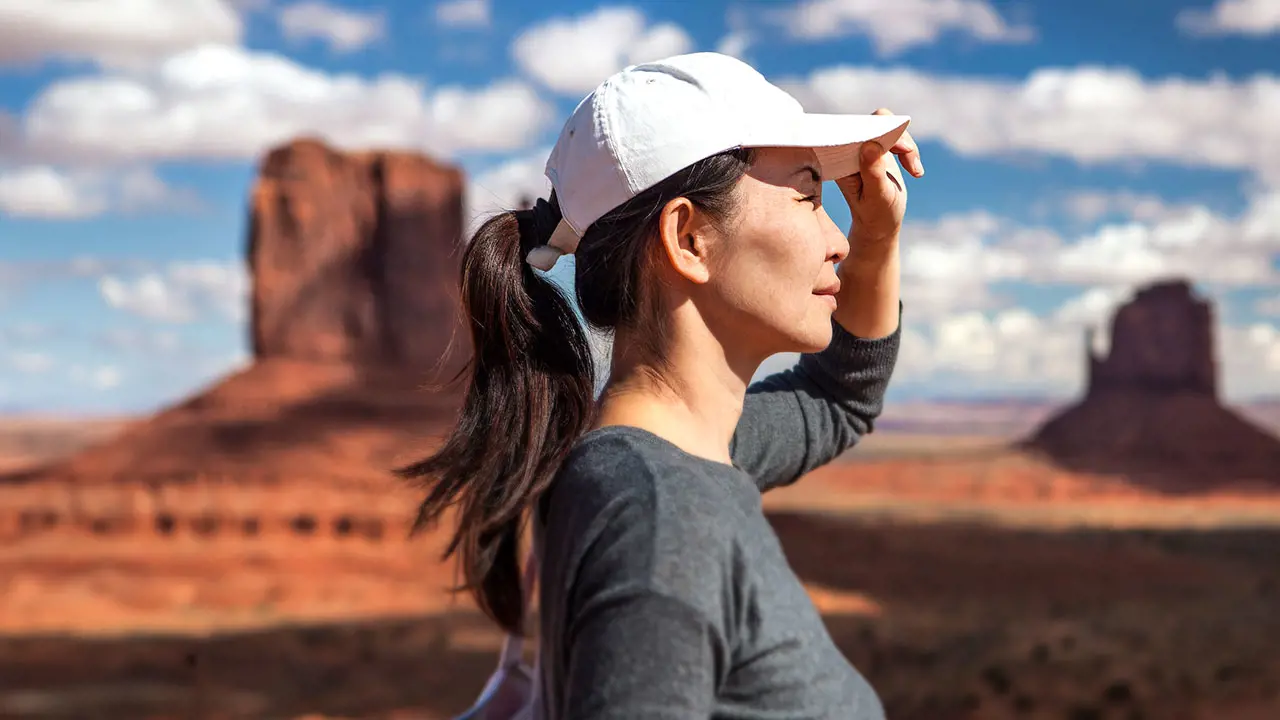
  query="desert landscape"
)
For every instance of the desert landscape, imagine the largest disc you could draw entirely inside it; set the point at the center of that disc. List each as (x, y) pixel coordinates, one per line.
(244, 553)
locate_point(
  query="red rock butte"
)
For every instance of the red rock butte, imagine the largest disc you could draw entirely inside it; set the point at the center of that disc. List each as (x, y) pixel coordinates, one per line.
(1153, 401)
(355, 259)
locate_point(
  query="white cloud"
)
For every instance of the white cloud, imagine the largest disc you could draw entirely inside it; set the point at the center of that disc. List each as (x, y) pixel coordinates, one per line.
(1195, 242)
(113, 32)
(948, 264)
(101, 377)
(10, 135)
(30, 362)
(960, 332)
(1232, 17)
(502, 116)
(42, 191)
(742, 33)
(230, 103)
(1093, 307)
(1089, 114)
(574, 55)
(343, 30)
(1016, 351)
(18, 276)
(1088, 206)
(183, 293)
(968, 262)
(149, 342)
(17, 272)
(734, 44)
(139, 189)
(897, 25)
(504, 187)
(464, 13)
(25, 331)
(1249, 360)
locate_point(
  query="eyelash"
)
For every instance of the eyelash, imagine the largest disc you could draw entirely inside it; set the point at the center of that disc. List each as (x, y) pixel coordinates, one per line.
(809, 198)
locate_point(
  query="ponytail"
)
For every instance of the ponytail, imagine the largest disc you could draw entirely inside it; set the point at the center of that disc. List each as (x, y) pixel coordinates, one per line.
(530, 381)
(529, 396)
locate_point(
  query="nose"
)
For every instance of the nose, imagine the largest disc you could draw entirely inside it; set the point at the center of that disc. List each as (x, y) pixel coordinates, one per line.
(837, 242)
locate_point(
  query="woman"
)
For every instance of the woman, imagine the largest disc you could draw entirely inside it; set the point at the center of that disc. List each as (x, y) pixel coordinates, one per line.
(690, 192)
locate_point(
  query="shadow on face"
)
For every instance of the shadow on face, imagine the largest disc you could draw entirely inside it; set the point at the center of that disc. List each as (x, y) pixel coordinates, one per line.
(774, 262)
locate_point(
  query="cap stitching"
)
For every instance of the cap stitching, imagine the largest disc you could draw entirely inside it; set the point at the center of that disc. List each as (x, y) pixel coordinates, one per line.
(619, 165)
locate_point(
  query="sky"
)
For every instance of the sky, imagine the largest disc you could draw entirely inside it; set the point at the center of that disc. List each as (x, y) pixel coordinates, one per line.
(1074, 152)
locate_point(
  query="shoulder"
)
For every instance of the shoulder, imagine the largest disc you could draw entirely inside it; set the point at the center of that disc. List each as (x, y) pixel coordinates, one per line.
(627, 466)
(626, 507)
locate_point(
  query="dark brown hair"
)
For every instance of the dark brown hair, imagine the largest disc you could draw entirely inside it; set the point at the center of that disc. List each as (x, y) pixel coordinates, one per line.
(530, 381)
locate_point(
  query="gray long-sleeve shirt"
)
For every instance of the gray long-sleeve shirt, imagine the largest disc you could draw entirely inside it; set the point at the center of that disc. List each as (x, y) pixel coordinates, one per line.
(664, 591)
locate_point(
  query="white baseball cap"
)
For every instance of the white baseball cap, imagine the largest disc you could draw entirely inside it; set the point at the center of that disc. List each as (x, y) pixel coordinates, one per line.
(649, 121)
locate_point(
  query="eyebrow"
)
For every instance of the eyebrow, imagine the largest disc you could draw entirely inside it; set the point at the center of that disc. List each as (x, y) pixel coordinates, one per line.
(813, 172)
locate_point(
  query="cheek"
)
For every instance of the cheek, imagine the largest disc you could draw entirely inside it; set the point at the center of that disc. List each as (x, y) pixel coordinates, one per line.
(776, 263)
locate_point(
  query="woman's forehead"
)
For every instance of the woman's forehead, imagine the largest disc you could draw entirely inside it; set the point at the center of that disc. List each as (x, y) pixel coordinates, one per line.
(786, 166)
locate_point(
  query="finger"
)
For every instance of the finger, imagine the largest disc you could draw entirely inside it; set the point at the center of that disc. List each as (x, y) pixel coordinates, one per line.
(907, 150)
(905, 144)
(874, 169)
(870, 158)
(850, 185)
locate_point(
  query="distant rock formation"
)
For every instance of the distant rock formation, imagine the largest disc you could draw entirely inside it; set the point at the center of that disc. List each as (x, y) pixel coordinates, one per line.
(354, 257)
(1161, 343)
(1153, 400)
(355, 261)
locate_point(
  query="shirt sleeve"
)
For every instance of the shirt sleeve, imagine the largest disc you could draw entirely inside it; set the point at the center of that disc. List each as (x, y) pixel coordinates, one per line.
(647, 633)
(801, 418)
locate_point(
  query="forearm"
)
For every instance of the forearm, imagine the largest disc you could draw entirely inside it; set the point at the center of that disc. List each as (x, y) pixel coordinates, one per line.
(869, 288)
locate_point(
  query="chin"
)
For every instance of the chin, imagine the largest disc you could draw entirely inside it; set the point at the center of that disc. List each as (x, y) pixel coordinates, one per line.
(815, 338)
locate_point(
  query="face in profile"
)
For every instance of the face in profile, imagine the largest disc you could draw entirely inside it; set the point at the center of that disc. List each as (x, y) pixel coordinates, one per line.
(772, 266)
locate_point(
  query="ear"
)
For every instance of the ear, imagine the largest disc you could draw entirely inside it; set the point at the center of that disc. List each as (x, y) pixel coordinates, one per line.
(682, 230)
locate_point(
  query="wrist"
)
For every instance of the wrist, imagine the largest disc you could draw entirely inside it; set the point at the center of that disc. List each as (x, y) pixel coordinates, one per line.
(869, 250)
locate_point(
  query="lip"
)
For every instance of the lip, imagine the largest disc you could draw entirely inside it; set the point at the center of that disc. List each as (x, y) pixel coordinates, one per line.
(829, 297)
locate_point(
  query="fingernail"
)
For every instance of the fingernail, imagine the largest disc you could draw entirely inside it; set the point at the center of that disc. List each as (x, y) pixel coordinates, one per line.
(919, 166)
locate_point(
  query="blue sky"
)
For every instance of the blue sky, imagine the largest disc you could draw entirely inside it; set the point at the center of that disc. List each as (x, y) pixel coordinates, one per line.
(1074, 151)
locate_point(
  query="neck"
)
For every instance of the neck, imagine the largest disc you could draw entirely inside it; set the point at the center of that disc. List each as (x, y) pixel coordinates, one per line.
(691, 394)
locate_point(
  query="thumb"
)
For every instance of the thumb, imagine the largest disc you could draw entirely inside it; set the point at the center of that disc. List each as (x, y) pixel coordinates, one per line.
(871, 163)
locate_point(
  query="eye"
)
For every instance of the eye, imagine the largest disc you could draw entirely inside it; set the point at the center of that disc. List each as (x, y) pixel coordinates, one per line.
(810, 198)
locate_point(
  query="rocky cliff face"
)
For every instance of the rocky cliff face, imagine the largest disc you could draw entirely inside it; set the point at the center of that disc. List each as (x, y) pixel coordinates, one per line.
(355, 261)
(1153, 400)
(1161, 343)
(354, 257)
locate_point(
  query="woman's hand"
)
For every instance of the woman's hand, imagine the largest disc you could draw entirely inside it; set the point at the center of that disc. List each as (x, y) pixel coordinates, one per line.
(867, 305)
(876, 194)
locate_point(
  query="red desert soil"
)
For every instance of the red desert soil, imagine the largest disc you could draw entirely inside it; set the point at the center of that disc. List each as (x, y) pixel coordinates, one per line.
(969, 582)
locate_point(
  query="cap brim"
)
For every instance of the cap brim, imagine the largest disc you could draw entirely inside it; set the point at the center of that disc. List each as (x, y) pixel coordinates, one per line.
(836, 139)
